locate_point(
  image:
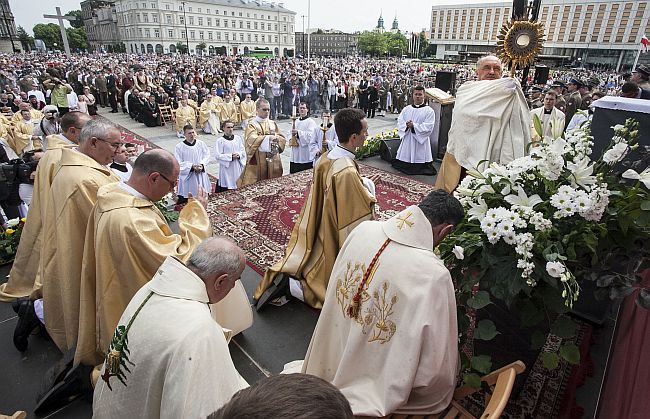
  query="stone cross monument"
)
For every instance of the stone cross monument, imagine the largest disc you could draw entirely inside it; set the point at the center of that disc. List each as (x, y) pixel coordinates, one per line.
(58, 16)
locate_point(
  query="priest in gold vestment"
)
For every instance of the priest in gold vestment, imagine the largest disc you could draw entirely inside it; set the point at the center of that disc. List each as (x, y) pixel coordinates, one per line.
(209, 116)
(128, 239)
(23, 276)
(338, 201)
(228, 110)
(185, 115)
(247, 110)
(72, 196)
(263, 139)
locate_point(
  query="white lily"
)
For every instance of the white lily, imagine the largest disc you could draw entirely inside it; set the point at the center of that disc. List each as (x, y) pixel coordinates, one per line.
(644, 176)
(475, 173)
(13, 222)
(557, 146)
(581, 173)
(523, 200)
(477, 212)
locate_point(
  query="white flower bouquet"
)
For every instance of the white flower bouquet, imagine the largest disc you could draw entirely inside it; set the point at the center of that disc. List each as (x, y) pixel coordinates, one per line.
(543, 223)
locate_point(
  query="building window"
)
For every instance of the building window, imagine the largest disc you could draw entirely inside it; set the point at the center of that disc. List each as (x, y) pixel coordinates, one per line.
(154, 17)
(241, 14)
(192, 34)
(153, 5)
(241, 36)
(199, 10)
(200, 21)
(219, 36)
(241, 24)
(169, 19)
(255, 25)
(140, 32)
(276, 38)
(285, 39)
(217, 22)
(225, 23)
(167, 7)
(183, 34)
(248, 25)
(209, 35)
(263, 40)
(249, 37)
(137, 17)
(144, 5)
(170, 33)
(209, 21)
(256, 38)
(189, 9)
(227, 35)
(276, 27)
(181, 20)
(201, 35)
(156, 33)
(207, 11)
(268, 26)
(191, 20)
(284, 28)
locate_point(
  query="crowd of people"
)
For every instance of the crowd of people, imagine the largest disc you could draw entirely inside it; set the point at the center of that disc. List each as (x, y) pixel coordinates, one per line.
(97, 260)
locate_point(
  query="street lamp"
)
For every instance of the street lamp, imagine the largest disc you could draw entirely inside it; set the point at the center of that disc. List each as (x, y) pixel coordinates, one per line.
(187, 39)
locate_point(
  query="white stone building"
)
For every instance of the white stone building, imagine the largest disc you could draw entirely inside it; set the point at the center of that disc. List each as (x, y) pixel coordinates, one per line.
(225, 26)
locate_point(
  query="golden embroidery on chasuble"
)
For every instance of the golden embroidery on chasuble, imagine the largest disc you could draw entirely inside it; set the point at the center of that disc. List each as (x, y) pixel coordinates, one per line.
(377, 319)
(347, 286)
(404, 219)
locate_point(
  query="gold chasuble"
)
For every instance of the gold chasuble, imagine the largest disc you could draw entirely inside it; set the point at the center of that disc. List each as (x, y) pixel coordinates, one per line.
(185, 115)
(338, 201)
(24, 271)
(69, 204)
(128, 239)
(257, 168)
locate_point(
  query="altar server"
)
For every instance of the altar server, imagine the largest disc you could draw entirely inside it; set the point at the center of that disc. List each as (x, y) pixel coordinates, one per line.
(193, 156)
(230, 152)
(304, 141)
(414, 126)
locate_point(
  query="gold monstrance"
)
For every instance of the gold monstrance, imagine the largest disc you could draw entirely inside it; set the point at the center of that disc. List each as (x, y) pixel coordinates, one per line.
(519, 42)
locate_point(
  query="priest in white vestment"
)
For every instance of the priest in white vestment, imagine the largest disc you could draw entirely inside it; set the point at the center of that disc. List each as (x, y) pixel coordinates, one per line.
(230, 153)
(193, 156)
(490, 123)
(414, 126)
(304, 142)
(551, 119)
(174, 361)
(387, 334)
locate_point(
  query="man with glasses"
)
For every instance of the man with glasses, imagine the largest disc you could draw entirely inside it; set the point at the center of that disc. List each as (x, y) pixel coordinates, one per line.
(264, 143)
(81, 173)
(127, 240)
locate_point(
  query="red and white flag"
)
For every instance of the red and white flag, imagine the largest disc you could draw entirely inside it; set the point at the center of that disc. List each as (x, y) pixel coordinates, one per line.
(645, 42)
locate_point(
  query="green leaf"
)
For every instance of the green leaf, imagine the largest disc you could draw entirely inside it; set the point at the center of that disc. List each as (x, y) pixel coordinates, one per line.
(570, 352)
(485, 330)
(482, 363)
(537, 339)
(645, 205)
(564, 327)
(550, 360)
(472, 380)
(479, 300)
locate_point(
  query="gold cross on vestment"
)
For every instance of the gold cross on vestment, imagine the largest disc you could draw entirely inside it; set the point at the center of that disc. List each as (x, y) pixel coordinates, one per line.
(404, 219)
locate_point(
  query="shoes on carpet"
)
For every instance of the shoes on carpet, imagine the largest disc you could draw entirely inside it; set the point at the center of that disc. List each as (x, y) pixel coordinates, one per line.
(278, 288)
(27, 322)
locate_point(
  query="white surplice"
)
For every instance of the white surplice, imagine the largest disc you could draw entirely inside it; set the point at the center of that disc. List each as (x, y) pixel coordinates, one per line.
(401, 354)
(188, 155)
(179, 362)
(229, 169)
(307, 141)
(415, 146)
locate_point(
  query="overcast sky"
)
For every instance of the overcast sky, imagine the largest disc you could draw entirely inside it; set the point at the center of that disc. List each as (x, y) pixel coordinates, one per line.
(346, 15)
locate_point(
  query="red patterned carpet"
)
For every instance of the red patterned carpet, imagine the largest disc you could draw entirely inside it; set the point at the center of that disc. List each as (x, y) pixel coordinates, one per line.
(132, 137)
(260, 217)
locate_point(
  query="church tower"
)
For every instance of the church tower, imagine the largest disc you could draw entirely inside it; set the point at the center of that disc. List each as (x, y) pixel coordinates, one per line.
(380, 24)
(395, 27)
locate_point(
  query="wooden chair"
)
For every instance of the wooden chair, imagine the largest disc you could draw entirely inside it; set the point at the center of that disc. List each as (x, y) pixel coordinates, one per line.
(166, 114)
(500, 383)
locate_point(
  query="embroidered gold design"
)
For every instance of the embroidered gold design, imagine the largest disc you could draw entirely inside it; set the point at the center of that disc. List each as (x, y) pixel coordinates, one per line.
(377, 308)
(401, 220)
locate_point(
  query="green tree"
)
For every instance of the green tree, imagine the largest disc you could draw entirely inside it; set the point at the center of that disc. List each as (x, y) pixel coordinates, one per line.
(49, 33)
(424, 44)
(79, 22)
(25, 39)
(372, 43)
(201, 47)
(77, 38)
(181, 47)
(396, 43)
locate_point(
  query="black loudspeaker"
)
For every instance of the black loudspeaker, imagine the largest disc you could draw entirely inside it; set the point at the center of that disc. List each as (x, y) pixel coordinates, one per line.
(388, 149)
(541, 74)
(443, 135)
(446, 81)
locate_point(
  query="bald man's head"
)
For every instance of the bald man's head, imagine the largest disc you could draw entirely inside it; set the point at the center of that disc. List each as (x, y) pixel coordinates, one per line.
(157, 160)
(489, 68)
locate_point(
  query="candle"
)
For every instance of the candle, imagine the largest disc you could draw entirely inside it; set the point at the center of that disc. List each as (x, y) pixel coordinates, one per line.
(293, 111)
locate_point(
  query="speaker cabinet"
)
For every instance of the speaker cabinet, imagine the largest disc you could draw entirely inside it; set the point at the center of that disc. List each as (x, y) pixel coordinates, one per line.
(541, 74)
(388, 149)
(446, 81)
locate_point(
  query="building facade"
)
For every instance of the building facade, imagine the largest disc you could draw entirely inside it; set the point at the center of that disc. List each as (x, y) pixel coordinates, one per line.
(229, 27)
(327, 43)
(100, 21)
(9, 41)
(592, 33)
